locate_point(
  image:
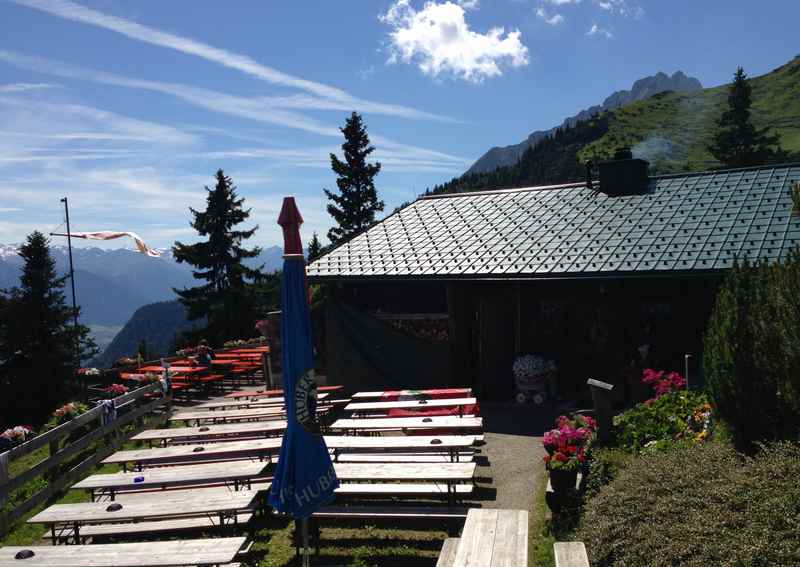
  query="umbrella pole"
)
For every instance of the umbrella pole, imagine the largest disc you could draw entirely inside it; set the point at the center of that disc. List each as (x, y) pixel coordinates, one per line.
(306, 551)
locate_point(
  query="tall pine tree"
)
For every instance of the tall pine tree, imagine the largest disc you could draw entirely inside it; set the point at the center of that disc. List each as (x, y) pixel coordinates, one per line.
(227, 299)
(737, 142)
(354, 206)
(39, 345)
(314, 248)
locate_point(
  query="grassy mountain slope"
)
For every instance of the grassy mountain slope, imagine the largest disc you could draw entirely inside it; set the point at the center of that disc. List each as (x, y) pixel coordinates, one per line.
(671, 130)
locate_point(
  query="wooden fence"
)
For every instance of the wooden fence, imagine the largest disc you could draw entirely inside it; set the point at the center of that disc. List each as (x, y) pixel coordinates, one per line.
(131, 407)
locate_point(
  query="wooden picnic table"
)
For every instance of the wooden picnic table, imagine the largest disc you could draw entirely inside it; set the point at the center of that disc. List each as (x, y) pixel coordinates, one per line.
(265, 448)
(410, 404)
(217, 551)
(169, 477)
(228, 430)
(450, 392)
(274, 393)
(493, 538)
(169, 505)
(408, 423)
(243, 403)
(273, 412)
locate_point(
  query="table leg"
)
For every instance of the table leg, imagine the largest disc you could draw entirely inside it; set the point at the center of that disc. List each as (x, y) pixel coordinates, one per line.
(77, 534)
(53, 533)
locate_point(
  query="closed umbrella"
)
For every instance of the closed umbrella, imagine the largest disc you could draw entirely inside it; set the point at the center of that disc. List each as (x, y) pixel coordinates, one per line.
(304, 479)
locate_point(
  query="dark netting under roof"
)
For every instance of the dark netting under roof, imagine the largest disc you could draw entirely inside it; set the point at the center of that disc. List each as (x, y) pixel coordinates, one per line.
(696, 222)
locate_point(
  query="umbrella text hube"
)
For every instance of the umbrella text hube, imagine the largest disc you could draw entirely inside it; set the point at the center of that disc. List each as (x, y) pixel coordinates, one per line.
(304, 479)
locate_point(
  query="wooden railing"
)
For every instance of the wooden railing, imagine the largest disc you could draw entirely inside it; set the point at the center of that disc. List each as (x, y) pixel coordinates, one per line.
(131, 409)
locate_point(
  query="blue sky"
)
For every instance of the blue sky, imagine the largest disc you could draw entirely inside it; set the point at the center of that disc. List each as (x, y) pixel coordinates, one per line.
(128, 108)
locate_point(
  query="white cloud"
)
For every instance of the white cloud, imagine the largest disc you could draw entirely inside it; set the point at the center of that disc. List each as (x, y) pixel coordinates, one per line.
(553, 20)
(562, 2)
(439, 40)
(9, 209)
(621, 7)
(75, 12)
(596, 30)
(469, 4)
(23, 87)
(115, 124)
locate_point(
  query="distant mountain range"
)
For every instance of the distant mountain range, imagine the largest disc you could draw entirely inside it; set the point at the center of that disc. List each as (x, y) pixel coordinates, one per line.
(156, 323)
(641, 89)
(112, 284)
(671, 130)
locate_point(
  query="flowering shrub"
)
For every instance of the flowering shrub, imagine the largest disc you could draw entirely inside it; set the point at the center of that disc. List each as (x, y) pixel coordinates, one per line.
(14, 436)
(87, 372)
(658, 422)
(115, 390)
(69, 411)
(566, 445)
(663, 382)
(698, 425)
(262, 326)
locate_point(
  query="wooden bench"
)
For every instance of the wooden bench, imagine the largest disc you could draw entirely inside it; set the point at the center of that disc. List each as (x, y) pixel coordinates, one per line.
(217, 551)
(570, 554)
(411, 404)
(212, 432)
(109, 484)
(168, 506)
(408, 424)
(99, 531)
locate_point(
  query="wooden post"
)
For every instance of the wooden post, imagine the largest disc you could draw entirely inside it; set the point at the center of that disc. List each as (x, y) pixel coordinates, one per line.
(266, 369)
(601, 398)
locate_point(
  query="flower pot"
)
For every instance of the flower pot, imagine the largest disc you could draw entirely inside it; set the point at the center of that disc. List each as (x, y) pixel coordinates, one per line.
(563, 480)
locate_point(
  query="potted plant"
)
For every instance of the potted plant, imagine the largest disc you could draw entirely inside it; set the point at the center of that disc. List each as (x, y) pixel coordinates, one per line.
(114, 390)
(14, 436)
(566, 447)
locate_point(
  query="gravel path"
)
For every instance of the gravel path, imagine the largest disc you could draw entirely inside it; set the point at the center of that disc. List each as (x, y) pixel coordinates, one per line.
(514, 452)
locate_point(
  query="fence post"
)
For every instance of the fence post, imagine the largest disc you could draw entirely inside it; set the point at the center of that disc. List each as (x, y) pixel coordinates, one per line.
(603, 412)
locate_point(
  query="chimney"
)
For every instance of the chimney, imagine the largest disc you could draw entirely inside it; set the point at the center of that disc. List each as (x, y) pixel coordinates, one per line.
(623, 175)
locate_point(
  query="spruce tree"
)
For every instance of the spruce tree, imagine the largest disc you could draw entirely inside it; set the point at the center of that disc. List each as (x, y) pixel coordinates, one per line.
(39, 344)
(737, 142)
(226, 300)
(314, 248)
(354, 206)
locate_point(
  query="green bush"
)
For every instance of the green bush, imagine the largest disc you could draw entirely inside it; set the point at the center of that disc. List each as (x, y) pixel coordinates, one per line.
(698, 505)
(659, 421)
(752, 351)
(604, 466)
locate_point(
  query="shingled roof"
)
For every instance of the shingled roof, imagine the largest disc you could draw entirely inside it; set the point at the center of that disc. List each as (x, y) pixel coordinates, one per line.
(694, 223)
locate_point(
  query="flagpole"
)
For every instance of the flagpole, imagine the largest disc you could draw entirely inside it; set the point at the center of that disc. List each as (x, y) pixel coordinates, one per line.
(72, 285)
(306, 550)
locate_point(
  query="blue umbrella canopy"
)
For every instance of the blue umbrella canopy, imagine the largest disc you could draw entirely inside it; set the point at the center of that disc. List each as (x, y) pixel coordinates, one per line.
(304, 479)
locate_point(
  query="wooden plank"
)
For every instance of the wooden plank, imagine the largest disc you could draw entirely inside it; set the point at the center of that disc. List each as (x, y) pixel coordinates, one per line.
(149, 527)
(401, 489)
(494, 538)
(477, 539)
(174, 476)
(405, 471)
(274, 393)
(271, 445)
(457, 392)
(248, 403)
(212, 431)
(511, 539)
(463, 457)
(169, 504)
(410, 404)
(391, 512)
(570, 554)
(447, 556)
(412, 423)
(275, 412)
(150, 554)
